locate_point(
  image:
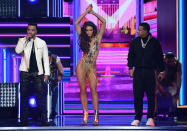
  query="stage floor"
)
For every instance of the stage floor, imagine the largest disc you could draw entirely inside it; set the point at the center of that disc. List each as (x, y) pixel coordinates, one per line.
(106, 122)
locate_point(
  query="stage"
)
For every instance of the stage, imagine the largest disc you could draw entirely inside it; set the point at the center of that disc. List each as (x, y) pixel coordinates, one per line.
(56, 25)
(106, 122)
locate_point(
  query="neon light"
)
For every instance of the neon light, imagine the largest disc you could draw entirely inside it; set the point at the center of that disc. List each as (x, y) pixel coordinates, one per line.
(18, 8)
(62, 94)
(61, 57)
(76, 12)
(119, 60)
(111, 63)
(55, 8)
(58, 100)
(111, 52)
(111, 58)
(65, 57)
(114, 45)
(105, 111)
(48, 102)
(177, 27)
(54, 46)
(42, 35)
(48, 8)
(107, 75)
(51, 46)
(181, 42)
(117, 72)
(19, 102)
(14, 69)
(61, 6)
(4, 65)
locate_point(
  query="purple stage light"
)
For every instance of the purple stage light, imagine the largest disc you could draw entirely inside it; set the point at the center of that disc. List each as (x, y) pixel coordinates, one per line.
(32, 102)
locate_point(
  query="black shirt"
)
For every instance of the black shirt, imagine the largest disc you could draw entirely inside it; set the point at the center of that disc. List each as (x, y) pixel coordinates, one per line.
(33, 64)
(149, 57)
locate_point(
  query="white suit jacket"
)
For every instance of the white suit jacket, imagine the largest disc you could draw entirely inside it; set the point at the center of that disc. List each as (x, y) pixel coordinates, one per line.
(41, 52)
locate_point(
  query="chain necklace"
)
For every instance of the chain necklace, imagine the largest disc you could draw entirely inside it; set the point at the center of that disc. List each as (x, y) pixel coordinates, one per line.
(144, 44)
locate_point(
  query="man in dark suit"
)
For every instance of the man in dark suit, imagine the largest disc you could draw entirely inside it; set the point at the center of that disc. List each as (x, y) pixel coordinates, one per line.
(145, 55)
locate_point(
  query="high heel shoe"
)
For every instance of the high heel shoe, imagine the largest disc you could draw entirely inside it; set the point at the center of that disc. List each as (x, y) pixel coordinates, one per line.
(96, 118)
(85, 119)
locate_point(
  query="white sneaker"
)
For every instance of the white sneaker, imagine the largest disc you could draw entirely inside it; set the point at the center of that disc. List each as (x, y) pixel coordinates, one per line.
(135, 123)
(150, 122)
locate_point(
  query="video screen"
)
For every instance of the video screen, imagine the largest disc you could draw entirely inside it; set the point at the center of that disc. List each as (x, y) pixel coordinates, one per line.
(119, 14)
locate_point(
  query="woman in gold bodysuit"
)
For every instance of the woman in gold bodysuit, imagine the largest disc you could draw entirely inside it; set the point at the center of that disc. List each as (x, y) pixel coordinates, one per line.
(86, 68)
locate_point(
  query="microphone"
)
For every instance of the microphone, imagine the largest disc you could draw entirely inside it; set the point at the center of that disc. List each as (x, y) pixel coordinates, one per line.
(29, 39)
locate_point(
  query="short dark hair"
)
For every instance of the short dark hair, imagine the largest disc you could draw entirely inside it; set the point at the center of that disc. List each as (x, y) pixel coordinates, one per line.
(145, 26)
(33, 24)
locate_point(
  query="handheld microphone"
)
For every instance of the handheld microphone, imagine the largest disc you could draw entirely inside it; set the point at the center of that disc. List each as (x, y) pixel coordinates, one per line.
(29, 39)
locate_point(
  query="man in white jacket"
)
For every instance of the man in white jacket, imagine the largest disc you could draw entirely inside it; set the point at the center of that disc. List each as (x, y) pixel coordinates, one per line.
(34, 71)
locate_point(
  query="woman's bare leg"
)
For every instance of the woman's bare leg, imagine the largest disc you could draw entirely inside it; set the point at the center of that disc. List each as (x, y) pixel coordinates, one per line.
(81, 77)
(93, 86)
(92, 78)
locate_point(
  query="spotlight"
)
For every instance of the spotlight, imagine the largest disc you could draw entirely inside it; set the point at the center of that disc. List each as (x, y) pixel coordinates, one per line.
(33, 8)
(32, 102)
(32, 1)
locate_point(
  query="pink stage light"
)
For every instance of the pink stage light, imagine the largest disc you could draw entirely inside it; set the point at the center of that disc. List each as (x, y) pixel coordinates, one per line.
(115, 72)
(111, 58)
(104, 111)
(100, 63)
(109, 45)
(7, 25)
(153, 26)
(43, 35)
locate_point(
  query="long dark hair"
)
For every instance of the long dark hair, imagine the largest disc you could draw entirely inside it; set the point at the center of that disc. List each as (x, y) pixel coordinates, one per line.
(84, 39)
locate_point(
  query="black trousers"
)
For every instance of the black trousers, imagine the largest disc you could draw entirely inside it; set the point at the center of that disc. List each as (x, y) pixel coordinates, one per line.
(144, 81)
(33, 82)
(54, 91)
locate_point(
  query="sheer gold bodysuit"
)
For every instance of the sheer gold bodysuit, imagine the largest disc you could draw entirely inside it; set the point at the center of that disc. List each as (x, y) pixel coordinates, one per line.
(88, 61)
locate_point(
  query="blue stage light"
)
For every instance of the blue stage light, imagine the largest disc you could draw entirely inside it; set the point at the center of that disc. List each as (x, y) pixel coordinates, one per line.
(32, 102)
(32, 1)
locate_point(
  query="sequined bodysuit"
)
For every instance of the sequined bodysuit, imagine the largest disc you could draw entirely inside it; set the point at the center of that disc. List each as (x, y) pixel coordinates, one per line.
(88, 61)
